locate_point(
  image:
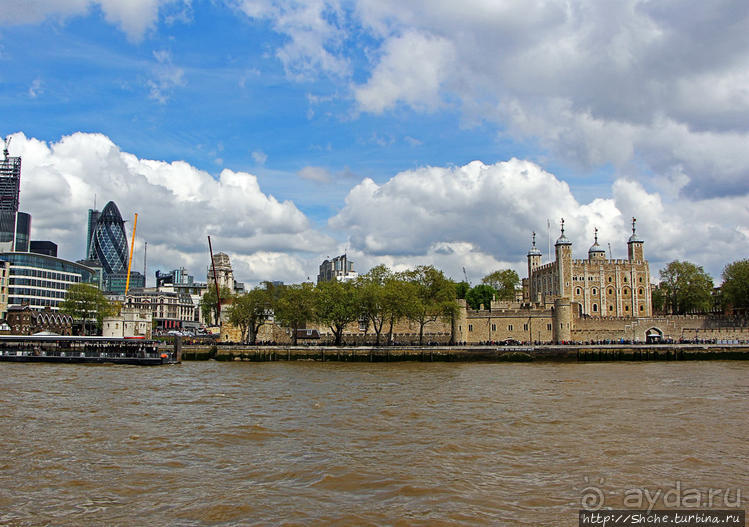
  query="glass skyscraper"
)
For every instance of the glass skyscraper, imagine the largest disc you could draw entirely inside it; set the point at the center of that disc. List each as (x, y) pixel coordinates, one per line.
(15, 227)
(93, 218)
(109, 241)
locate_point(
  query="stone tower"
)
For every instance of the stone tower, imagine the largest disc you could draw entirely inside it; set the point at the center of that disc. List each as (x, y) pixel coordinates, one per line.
(534, 260)
(634, 245)
(562, 321)
(563, 248)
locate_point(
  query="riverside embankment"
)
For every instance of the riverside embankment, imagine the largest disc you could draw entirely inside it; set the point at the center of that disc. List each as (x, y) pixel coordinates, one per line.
(582, 353)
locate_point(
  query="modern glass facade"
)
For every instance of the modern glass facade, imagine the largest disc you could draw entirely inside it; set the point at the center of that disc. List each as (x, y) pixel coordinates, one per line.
(10, 182)
(42, 281)
(23, 232)
(93, 219)
(109, 241)
(116, 283)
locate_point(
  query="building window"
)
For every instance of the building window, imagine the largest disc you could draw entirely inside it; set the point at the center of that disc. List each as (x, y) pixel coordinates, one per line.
(625, 279)
(594, 291)
(610, 291)
(595, 308)
(494, 327)
(609, 279)
(509, 327)
(639, 291)
(626, 308)
(470, 327)
(577, 291)
(611, 308)
(642, 308)
(548, 327)
(525, 327)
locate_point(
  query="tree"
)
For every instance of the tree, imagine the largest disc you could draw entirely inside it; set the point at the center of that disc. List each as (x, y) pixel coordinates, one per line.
(735, 288)
(434, 297)
(250, 311)
(504, 282)
(336, 305)
(85, 302)
(398, 300)
(371, 290)
(296, 307)
(461, 289)
(209, 304)
(480, 294)
(687, 288)
(658, 298)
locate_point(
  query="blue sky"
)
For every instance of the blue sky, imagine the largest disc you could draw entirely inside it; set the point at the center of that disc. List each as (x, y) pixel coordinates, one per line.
(325, 106)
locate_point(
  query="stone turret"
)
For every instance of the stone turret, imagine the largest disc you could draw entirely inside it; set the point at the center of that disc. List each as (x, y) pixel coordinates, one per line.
(634, 245)
(562, 321)
(596, 252)
(563, 248)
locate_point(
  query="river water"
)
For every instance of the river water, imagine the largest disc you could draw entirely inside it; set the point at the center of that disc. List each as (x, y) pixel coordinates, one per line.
(211, 443)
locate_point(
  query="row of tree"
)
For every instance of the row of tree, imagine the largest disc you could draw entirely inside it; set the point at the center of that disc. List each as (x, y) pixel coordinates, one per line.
(377, 299)
(687, 288)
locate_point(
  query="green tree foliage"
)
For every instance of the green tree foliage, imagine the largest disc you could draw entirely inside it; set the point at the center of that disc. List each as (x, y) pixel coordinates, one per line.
(399, 297)
(735, 288)
(480, 294)
(250, 311)
(687, 288)
(371, 289)
(296, 307)
(658, 298)
(504, 282)
(336, 304)
(434, 297)
(461, 289)
(85, 302)
(209, 304)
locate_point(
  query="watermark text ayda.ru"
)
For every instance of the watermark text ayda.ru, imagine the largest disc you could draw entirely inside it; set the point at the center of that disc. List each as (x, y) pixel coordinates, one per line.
(594, 498)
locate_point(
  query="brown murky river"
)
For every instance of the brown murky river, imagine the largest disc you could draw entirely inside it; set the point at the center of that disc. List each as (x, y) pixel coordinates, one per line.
(214, 444)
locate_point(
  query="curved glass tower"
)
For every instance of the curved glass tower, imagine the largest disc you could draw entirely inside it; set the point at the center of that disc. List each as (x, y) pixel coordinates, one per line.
(109, 241)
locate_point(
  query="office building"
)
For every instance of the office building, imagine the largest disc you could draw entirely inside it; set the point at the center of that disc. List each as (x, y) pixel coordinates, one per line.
(109, 246)
(93, 218)
(339, 268)
(43, 247)
(15, 227)
(42, 281)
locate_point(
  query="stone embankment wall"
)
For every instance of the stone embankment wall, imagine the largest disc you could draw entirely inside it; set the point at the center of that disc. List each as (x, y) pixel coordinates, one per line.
(467, 353)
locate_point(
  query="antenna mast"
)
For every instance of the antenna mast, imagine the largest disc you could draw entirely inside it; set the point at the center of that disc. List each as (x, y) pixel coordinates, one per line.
(7, 144)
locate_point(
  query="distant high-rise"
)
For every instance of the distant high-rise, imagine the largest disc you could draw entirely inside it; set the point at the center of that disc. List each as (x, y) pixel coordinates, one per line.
(15, 227)
(109, 241)
(10, 181)
(93, 217)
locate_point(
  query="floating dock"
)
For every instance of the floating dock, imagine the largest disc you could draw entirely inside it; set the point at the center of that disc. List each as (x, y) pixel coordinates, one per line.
(87, 350)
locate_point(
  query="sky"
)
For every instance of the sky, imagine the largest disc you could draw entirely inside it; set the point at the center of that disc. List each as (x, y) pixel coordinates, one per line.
(400, 132)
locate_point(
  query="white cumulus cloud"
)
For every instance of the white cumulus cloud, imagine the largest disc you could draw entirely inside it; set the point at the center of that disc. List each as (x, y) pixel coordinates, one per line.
(178, 206)
(133, 17)
(481, 217)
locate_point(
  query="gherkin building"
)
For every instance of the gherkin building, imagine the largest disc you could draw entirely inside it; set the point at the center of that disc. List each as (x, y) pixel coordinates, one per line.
(109, 242)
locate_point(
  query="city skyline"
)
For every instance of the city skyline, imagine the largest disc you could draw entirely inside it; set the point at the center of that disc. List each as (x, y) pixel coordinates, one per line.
(295, 132)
